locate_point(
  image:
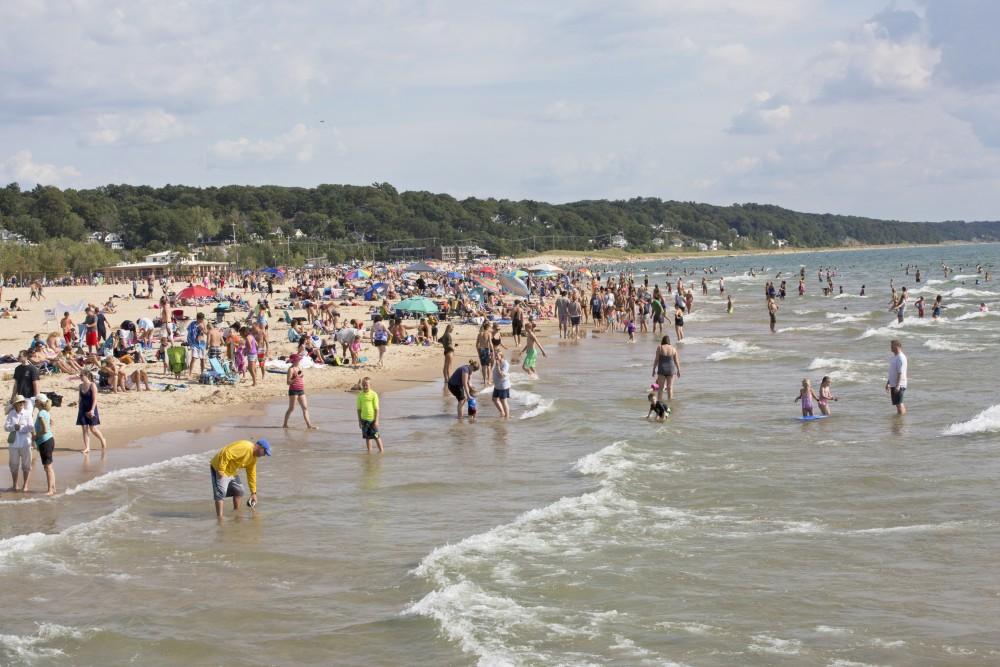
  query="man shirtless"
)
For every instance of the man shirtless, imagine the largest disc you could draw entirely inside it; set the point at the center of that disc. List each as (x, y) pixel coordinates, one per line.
(68, 328)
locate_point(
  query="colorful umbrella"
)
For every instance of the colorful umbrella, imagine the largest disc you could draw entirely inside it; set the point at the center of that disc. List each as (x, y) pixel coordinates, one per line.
(520, 273)
(195, 292)
(487, 270)
(488, 284)
(416, 304)
(358, 274)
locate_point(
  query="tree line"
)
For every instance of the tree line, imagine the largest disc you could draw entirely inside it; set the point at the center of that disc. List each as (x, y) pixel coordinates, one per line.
(347, 220)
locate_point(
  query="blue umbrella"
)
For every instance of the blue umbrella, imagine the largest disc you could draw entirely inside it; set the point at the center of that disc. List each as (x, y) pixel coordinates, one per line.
(455, 274)
(274, 271)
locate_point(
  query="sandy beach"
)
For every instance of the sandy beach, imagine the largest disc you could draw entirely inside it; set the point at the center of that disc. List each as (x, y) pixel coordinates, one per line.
(130, 416)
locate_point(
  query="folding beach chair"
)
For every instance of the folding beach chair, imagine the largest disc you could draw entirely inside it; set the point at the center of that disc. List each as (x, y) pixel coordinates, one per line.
(221, 372)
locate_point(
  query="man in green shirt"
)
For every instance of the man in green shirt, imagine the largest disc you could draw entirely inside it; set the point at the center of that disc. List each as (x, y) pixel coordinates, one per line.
(368, 413)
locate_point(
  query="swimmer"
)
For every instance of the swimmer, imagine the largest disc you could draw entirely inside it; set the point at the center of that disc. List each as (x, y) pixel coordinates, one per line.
(729, 305)
(936, 311)
(807, 396)
(825, 395)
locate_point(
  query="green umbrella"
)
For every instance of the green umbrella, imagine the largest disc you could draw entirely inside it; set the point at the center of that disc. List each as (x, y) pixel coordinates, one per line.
(416, 304)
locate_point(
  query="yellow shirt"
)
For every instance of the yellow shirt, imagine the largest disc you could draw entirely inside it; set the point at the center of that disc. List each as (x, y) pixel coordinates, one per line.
(234, 456)
(367, 405)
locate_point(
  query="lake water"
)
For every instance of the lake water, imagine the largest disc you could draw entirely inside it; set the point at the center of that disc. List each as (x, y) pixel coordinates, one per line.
(732, 534)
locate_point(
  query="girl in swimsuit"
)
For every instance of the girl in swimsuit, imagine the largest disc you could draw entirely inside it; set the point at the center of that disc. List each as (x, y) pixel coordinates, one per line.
(825, 395)
(807, 396)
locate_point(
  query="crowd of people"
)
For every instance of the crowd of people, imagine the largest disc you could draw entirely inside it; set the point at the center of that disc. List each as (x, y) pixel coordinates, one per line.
(208, 348)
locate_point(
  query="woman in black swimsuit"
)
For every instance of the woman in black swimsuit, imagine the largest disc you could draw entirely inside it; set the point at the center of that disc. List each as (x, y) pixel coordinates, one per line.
(666, 366)
(679, 323)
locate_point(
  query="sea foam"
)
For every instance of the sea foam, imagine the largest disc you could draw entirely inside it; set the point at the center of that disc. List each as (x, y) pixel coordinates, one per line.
(138, 473)
(987, 421)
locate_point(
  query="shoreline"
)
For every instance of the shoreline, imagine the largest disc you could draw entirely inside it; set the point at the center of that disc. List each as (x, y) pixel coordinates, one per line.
(619, 257)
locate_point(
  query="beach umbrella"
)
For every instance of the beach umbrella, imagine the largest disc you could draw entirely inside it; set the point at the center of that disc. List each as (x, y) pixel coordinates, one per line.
(520, 273)
(274, 271)
(585, 271)
(545, 274)
(416, 304)
(487, 270)
(488, 284)
(421, 267)
(195, 292)
(545, 268)
(358, 274)
(514, 285)
(455, 274)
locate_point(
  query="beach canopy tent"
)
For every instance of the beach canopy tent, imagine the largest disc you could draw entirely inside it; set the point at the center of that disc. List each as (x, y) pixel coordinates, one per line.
(358, 274)
(545, 268)
(416, 304)
(422, 267)
(514, 285)
(195, 292)
(274, 271)
(544, 274)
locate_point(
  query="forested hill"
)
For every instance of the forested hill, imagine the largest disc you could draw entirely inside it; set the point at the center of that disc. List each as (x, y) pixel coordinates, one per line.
(339, 216)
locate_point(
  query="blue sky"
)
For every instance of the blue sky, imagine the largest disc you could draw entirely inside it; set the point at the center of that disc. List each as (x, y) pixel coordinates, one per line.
(889, 110)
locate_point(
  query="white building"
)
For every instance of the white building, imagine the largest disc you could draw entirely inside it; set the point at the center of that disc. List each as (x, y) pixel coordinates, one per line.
(618, 241)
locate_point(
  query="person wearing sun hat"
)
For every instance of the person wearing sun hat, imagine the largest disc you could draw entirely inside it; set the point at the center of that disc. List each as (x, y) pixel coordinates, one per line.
(19, 425)
(225, 470)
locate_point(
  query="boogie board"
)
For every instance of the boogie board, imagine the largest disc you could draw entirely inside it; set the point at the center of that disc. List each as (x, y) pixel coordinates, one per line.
(811, 419)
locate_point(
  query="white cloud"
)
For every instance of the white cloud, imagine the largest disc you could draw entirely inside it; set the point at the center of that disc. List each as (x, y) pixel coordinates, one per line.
(562, 112)
(22, 168)
(149, 127)
(872, 63)
(731, 55)
(297, 144)
(762, 114)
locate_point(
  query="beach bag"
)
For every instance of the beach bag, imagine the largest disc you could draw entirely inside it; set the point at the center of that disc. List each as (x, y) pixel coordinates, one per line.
(56, 399)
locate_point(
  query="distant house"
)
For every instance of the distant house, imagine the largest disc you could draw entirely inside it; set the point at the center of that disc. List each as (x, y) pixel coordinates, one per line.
(781, 242)
(114, 241)
(618, 241)
(12, 237)
(657, 241)
(298, 234)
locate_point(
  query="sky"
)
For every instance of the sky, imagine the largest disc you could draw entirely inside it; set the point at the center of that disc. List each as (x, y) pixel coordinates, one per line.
(887, 110)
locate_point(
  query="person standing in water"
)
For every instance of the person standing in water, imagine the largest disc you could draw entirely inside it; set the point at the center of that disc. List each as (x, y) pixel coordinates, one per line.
(666, 366)
(825, 395)
(501, 385)
(530, 353)
(772, 311)
(225, 469)
(368, 414)
(449, 351)
(45, 443)
(896, 384)
(296, 391)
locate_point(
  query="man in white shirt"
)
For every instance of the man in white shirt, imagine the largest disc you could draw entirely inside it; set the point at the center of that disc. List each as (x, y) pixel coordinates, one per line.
(896, 385)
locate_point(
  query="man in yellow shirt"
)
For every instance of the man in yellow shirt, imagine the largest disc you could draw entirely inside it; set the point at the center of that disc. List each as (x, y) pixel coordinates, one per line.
(368, 412)
(226, 472)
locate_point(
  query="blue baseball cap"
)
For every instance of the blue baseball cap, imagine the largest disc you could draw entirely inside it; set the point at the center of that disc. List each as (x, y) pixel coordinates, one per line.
(266, 445)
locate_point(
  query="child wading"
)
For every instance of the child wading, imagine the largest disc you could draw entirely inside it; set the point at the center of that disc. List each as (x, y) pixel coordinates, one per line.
(807, 396)
(368, 414)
